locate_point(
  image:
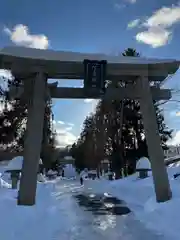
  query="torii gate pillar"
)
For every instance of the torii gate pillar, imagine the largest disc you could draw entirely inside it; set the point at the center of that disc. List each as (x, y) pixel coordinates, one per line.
(160, 176)
(33, 140)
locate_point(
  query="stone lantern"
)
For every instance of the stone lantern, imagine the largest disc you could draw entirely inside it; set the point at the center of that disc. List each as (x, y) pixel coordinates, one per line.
(14, 168)
(143, 166)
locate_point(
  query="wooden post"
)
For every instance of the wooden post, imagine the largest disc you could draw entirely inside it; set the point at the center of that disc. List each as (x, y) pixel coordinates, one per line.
(156, 155)
(33, 142)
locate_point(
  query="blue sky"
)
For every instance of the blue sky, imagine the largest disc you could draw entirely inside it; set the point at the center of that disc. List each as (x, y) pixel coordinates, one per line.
(107, 26)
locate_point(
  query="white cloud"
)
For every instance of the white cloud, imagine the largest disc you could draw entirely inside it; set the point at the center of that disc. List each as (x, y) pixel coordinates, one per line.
(174, 113)
(61, 122)
(68, 128)
(164, 17)
(64, 136)
(21, 36)
(119, 5)
(133, 23)
(70, 124)
(155, 36)
(54, 122)
(158, 25)
(175, 140)
(88, 100)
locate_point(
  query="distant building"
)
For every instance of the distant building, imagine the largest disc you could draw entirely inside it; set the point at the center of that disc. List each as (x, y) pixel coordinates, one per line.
(67, 160)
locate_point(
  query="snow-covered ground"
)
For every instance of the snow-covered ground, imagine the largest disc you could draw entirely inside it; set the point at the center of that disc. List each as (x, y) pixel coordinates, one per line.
(139, 195)
(57, 215)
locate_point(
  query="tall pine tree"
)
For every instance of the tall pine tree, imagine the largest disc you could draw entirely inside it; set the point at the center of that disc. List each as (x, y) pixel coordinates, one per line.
(115, 131)
(13, 120)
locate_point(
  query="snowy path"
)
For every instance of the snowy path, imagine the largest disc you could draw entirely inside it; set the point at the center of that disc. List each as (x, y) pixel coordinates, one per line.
(79, 224)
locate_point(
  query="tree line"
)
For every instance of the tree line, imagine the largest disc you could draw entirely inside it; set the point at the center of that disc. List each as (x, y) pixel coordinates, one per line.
(13, 121)
(115, 132)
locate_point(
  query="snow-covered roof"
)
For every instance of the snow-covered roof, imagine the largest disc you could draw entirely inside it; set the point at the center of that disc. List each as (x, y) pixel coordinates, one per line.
(16, 163)
(69, 65)
(53, 55)
(143, 163)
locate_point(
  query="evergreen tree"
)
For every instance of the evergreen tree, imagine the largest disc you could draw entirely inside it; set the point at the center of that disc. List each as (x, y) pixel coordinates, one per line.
(115, 131)
(77, 152)
(13, 120)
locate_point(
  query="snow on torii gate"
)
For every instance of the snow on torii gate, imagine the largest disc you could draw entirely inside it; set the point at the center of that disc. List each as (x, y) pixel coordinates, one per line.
(36, 66)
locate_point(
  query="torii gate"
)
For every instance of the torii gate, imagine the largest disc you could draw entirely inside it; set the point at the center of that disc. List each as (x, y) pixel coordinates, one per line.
(36, 66)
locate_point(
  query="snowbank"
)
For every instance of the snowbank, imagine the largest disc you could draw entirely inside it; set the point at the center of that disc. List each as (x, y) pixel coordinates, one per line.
(41, 178)
(140, 197)
(165, 214)
(42, 221)
(4, 184)
(128, 188)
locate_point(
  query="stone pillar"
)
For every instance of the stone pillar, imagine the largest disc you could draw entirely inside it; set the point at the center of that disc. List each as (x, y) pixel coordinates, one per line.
(156, 156)
(14, 179)
(33, 140)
